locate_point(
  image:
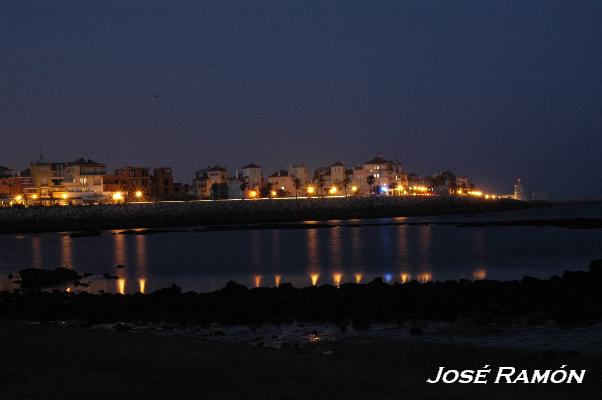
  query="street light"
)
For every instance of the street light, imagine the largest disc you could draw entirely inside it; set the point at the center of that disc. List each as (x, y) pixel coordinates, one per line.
(310, 190)
(252, 194)
(117, 196)
(354, 188)
(273, 193)
(18, 198)
(138, 194)
(34, 196)
(64, 196)
(333, 190)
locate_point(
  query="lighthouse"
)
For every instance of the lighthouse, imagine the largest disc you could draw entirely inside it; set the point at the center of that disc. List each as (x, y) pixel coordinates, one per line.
(519, 194)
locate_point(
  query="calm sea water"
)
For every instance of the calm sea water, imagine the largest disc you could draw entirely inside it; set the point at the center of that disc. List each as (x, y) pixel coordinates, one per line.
(208, 260)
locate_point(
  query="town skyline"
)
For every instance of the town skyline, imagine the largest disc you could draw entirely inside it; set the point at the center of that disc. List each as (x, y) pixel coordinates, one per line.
(498, 91)
(188, 178)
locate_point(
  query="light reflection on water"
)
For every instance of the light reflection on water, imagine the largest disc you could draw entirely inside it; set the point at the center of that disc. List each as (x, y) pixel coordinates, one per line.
(142, 285)
(36, 252)
(120, 285)
(207, 261)
(66, 253)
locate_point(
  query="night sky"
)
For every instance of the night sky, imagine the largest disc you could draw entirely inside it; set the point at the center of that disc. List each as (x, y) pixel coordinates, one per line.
(491, 89)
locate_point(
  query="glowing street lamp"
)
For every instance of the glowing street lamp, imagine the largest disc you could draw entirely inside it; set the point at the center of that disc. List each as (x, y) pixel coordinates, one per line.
(253, 194)
(138, 194)
(310, 190)
(18, 198)
(273, 193)
(64, 196)
(117, 196)
(34, 196)
(333, 190)
(354, 189)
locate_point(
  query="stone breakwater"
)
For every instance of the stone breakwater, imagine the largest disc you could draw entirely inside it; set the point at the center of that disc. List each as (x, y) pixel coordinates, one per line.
(166, 215)
(573, 298)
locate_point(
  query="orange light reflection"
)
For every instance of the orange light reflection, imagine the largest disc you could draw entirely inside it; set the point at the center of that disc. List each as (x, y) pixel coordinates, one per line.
(337, 277)
(142, 285)
(121, 286)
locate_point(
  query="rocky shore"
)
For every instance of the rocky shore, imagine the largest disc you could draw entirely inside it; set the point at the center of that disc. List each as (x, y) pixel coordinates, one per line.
(573, 298)
(62, 362)
(223, 213)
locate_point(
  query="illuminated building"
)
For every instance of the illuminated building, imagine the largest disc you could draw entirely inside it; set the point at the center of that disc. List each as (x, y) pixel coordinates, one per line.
(385, 173)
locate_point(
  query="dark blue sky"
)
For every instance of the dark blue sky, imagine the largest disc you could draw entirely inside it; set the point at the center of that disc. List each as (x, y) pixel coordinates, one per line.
(490, 89)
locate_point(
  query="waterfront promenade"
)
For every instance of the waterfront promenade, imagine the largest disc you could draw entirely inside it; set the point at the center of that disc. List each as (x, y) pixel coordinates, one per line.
(221, 213)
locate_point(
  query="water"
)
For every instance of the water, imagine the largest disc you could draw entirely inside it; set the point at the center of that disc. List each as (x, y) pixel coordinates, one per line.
(203, 261)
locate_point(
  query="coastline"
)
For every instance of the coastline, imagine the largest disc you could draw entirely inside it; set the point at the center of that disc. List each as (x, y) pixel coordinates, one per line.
(568, 300)
(224, 213)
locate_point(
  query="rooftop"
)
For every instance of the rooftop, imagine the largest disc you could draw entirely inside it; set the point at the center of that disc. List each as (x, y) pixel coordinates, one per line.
(251, 165)
(83, 161)
(378, 160)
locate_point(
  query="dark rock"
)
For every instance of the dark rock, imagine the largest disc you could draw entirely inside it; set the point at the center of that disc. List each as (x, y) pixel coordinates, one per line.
(360, 322)
(595, 267)
(120, 326)
(233, 288)
(529, 280)
(171, 291)
(286, 286)
(416, 331)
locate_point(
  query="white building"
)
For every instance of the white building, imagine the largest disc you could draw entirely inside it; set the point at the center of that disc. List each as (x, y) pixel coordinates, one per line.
(300, 172)
(251, 174)
(83, 179)
(384, 173)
